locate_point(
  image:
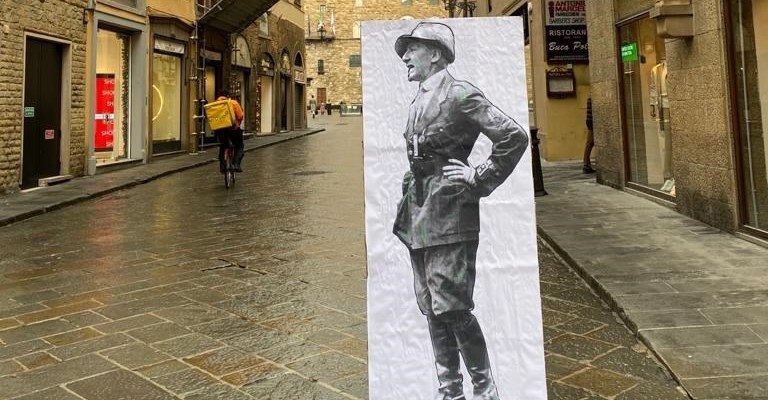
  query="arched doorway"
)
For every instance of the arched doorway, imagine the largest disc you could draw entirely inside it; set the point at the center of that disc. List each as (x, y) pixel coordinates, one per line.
(299, 107)
(285, 90)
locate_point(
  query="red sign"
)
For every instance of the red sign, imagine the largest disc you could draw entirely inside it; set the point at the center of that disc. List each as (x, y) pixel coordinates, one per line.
(49, 134)
(104, 134)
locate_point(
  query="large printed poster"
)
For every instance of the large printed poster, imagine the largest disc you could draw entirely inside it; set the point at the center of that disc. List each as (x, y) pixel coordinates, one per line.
(453, 292)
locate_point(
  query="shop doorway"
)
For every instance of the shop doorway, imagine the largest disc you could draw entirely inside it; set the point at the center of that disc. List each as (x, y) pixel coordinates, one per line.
(41, 154)
(284, 87)
(266, 103)
(299, 110)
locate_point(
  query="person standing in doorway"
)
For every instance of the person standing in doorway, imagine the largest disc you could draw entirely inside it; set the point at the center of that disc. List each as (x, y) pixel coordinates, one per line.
(590, 143)
(438, 217)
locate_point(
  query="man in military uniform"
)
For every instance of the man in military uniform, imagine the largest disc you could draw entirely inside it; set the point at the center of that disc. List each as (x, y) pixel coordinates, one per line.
(438, 218)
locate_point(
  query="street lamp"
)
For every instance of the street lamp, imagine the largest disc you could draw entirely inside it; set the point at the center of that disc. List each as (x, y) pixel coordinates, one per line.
(467, 7)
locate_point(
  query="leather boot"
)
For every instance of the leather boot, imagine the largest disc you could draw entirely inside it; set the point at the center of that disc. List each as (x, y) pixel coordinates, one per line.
(475, 354)
(446, 361)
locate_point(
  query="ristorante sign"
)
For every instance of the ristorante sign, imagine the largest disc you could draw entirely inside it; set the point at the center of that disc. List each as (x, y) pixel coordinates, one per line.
(566, 31)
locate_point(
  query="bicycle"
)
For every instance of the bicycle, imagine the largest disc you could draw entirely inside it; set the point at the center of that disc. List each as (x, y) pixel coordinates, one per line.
(229, 168)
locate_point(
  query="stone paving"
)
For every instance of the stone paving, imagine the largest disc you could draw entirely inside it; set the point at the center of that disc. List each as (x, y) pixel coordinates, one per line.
(181, 289)
(696, 296)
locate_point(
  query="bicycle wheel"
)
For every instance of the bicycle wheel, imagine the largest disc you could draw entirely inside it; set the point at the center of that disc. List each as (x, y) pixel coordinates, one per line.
(229, 174)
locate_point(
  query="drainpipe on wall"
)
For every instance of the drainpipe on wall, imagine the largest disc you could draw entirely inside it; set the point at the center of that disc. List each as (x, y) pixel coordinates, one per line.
(90, 100)
(674, 18)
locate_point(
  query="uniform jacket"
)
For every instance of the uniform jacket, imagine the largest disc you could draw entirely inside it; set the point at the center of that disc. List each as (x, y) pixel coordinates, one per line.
(434, 210)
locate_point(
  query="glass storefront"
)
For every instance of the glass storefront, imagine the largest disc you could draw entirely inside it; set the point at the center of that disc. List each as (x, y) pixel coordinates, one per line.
(166, 103)
(113, 65)
(646, 106)
(750, 50)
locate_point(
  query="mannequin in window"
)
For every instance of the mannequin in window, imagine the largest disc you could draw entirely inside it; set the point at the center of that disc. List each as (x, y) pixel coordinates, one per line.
(659, 102)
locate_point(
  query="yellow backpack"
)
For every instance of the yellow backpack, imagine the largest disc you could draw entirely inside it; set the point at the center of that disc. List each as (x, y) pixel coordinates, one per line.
(220, 114)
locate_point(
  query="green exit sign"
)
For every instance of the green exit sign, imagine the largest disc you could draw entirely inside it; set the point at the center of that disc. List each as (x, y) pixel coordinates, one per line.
(629, 52)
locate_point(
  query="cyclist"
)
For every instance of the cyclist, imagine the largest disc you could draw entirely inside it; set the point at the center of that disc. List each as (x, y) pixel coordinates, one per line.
(235, 134)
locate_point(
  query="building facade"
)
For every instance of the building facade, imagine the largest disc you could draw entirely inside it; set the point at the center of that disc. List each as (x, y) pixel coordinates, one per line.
(332, 32)
(278, 80)
(42, 81)
(679, 105)
(557, 59)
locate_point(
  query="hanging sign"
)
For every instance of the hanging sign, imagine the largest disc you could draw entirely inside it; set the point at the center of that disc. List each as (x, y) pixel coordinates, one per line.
(104, 134)
(566, 12)
(567, 44)
(629, 52)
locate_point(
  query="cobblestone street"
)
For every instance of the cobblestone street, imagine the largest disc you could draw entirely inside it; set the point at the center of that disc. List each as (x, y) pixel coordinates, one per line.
(182, 289)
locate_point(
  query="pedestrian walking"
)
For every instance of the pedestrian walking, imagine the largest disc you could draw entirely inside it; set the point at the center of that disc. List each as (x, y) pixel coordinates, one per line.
(328, 107)
(313, 105)
(590, 143)
(438, 217)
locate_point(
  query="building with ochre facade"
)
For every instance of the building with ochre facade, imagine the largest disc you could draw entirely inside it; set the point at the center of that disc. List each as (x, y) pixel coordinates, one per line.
(557, 62)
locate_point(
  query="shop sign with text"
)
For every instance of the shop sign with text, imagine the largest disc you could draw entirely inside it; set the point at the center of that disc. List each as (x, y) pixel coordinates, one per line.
(567, 43)
(566, 12)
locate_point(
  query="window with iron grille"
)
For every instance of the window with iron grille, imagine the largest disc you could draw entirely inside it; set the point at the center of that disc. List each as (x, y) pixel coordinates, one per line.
(354, 60)
(320, 67)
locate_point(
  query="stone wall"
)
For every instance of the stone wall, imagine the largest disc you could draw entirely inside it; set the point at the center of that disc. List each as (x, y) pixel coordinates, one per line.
(702, 135)
(609, 143)
(342, 82)
(60, 19)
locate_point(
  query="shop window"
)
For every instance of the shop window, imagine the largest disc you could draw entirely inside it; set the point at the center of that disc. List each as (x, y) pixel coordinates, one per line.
(354, 60)
(113, 72)
(320, 67)
(749, 37)
(646, 106)
(166, 103)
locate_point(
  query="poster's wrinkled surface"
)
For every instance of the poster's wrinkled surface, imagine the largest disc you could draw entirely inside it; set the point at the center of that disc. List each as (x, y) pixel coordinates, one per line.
(453, 294)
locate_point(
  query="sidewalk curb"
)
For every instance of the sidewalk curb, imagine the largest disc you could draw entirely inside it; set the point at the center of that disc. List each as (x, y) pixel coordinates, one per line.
(606, 296)
(141, 177)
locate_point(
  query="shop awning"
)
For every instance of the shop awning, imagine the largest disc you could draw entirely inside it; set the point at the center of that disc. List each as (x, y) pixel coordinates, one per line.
(235, 15)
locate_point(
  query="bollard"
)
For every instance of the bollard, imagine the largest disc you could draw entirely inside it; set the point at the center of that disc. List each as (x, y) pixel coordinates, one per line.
(538, 179)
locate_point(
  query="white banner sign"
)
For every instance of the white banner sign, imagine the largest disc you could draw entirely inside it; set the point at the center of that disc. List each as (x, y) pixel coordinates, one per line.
(453, 286)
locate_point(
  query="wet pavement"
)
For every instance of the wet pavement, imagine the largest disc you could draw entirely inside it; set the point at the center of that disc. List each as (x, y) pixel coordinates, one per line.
(181, 289)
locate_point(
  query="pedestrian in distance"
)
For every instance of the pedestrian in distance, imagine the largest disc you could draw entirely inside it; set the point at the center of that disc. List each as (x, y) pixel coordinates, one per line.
(313, 105)
(234, 133)
(438, 217)
(590, 143)
(328, 107)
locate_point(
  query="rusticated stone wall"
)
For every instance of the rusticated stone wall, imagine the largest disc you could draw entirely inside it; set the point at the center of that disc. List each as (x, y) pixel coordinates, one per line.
(63, 21)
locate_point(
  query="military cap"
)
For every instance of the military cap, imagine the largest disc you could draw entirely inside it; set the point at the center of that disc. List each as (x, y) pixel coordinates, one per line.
(433, 33)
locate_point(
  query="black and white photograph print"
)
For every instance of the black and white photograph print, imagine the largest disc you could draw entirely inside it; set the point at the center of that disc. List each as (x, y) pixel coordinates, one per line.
(453, 297)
